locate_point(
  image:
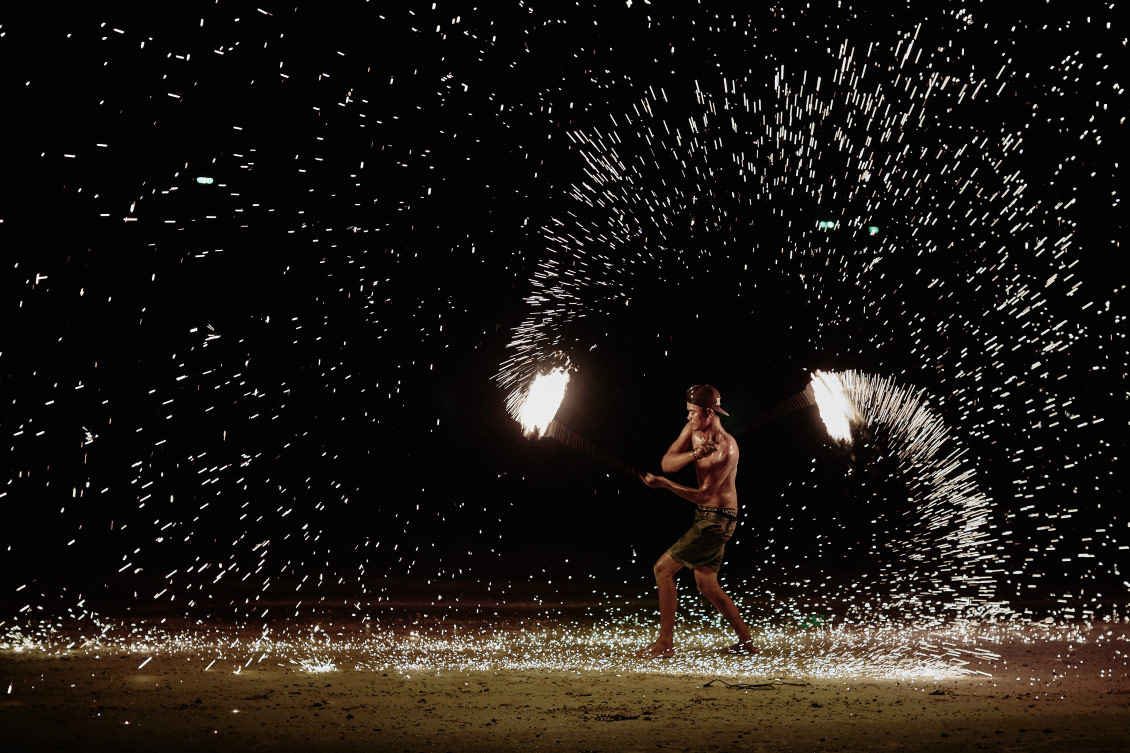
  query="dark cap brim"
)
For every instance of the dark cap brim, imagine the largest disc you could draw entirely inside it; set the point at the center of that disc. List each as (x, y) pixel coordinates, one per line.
(714, 408)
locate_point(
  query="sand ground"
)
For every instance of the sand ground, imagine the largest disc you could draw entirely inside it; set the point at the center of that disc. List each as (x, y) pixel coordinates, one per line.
(1037, 696)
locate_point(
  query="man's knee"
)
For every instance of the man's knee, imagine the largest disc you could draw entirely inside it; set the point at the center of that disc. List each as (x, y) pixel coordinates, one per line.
(665, 567)
(707, 581)
(709, 590)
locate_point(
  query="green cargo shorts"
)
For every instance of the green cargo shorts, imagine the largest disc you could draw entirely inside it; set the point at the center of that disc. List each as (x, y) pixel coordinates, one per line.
(703, 544)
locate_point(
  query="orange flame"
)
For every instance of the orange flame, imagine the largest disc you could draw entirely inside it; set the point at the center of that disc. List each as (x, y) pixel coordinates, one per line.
(542, 400)
(836, 410)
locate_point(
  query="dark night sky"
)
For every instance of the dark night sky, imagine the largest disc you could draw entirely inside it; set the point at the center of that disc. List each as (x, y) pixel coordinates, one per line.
(304, 351)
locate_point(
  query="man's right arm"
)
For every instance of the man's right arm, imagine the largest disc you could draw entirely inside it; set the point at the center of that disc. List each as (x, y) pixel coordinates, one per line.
(680, 453)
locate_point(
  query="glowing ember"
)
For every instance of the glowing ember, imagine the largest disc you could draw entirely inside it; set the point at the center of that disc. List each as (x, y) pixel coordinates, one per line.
(542, 401)
(317, 665)
(836, 410)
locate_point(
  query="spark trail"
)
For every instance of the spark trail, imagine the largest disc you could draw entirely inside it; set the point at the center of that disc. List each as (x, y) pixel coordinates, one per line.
(879, 184)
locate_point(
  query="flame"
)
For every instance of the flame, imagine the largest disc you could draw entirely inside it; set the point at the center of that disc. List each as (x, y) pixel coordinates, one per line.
(836, 410)
(542, 401)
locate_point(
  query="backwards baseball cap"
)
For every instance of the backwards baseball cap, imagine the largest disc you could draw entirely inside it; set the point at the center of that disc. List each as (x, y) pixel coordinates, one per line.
(705, 396)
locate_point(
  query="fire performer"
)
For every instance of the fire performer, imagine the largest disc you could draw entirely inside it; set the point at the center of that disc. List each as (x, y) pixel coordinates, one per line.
(715, 455)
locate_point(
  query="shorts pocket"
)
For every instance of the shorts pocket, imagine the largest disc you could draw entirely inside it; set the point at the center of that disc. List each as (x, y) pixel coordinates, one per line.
(721, 530)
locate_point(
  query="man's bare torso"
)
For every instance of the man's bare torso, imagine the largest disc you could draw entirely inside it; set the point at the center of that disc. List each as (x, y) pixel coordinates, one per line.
(726, 493)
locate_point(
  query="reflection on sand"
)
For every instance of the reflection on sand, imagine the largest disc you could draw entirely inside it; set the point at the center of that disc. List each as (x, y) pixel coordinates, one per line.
(533, 640)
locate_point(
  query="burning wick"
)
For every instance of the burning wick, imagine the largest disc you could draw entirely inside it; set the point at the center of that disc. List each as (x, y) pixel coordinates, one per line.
(542, 401)
(836, 410)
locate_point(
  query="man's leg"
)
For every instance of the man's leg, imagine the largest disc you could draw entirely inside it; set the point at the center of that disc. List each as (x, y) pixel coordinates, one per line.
(665, 570)
(707, 581)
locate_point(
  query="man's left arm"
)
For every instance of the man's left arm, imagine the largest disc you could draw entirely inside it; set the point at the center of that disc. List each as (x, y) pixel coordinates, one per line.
(720, 465)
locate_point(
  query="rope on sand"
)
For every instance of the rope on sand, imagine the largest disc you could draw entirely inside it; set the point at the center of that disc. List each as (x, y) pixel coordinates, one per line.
(772, 685)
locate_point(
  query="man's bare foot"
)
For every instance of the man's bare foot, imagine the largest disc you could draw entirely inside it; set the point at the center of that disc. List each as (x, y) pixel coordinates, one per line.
(657, 650)
(744, 648)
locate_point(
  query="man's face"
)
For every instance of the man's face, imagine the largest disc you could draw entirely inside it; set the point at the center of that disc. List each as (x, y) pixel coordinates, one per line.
(698, 417)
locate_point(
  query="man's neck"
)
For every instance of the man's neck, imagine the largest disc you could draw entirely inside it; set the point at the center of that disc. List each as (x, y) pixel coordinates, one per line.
(713, 432)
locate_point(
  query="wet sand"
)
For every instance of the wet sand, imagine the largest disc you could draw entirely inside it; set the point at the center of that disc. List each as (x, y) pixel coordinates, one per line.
(1070, 693)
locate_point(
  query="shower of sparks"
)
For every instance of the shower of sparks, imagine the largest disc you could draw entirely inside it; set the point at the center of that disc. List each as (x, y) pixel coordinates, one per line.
(836, 411)
(947, 557)
(972, 284)
(547, 641)
(317, 665)
(263, 325)
(539, 405)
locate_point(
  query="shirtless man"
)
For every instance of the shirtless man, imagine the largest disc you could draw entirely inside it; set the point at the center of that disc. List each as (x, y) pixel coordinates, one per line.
(715, 455)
